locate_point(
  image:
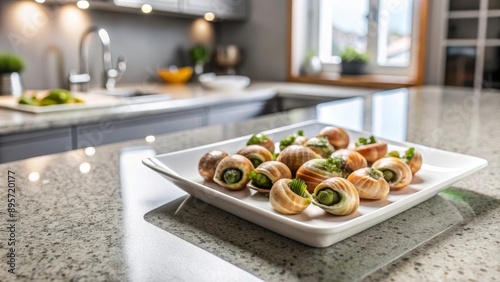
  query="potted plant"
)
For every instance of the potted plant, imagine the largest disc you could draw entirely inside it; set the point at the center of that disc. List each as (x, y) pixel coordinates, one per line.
(11, 67)
(353, 62)
(200, 55)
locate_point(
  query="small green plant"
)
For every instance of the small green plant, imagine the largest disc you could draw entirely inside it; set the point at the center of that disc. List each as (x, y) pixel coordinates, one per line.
(200, 53)
(350, 54)
(11, 63)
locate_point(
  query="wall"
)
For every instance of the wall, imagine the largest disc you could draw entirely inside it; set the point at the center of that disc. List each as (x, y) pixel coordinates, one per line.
(434, 43)
(49, 41)
(263, 38)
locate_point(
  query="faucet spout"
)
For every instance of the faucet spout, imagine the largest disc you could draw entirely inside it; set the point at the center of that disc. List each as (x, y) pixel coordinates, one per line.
(110, 74)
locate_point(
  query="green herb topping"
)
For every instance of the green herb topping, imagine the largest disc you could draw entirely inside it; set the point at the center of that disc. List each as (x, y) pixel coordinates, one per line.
(298, 186)
(260, 180)
(374, 173)
(287, 141)
(365, 141)
(232, 175)
(334, 164)
(393, 154)
(258, 138)
(328, 197)
(389, 175)
(322, 143)
(409, 154)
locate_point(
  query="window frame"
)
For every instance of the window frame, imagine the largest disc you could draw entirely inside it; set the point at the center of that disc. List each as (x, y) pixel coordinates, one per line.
(392, 76)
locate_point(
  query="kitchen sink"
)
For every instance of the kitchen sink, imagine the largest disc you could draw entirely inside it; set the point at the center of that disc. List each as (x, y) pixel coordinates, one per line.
(132, 94)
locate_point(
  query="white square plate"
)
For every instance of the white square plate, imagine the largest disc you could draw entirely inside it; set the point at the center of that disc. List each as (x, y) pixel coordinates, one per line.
(91, 101)
(314, 227)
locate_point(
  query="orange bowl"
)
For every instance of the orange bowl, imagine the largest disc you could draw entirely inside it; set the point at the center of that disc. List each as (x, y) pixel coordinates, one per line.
(176, 76)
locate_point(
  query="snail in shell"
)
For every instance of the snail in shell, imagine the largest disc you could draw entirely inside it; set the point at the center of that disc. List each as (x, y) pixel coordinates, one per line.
(294, 156)
(266, 174)
(320, 145)
(315, 171)
(233, 172)
(371, 149)
(262, 140)
(293, 139)
(256, 154)
(337, 136)
(353, 160)
(396, 172)
(370, 183)
(337, 196)
(411, 157)
(208, 163)
(289, 196)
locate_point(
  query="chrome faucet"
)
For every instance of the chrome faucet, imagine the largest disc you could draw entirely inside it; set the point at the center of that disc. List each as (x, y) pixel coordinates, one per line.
(110, 75)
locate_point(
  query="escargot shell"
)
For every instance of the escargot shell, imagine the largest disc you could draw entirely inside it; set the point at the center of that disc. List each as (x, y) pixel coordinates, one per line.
(353, 160)
(315, 171)
(294, 156)
(372, 152)
(337, 136)
(415, 163)
(256, 154)
(274, 171)
(262, 140)
(396, 172)
(208, 163)
(320, 145)
(346, 199)
(237, 163)
(285, 201)
(370, 183)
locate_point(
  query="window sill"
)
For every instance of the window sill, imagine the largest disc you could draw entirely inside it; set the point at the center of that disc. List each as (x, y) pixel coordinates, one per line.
(365, 80)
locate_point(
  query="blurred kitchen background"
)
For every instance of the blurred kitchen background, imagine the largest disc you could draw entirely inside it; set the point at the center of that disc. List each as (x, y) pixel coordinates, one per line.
(459, 37)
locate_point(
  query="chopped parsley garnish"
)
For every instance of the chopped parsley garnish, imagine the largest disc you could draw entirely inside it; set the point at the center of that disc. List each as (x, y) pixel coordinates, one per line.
(287, 141)
(365, 141)
(334, 164)
(298, 186)
(409, 153)
(258, 138)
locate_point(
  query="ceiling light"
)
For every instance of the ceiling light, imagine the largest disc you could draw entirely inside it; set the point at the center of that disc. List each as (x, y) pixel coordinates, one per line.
(146, 8)
(150, 139)
(209, 16)
(40, 1)
(83, 4)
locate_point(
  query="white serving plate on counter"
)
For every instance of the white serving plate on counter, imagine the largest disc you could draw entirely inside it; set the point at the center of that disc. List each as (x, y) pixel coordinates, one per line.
(314, 226)
(91, 101)
(224, 82)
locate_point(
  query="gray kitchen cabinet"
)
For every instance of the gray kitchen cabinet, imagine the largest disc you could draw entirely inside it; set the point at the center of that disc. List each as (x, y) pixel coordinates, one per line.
(158, 5)
(222, 9)
(115, 131)
(233, 112)
(289, 103)
(36, 143)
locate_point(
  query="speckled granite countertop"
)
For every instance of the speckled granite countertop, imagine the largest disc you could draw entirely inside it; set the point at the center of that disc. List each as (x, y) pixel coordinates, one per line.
(100, 215)
(179, 98)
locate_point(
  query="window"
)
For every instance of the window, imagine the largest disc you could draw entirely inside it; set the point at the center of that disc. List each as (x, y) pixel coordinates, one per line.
(386, 30)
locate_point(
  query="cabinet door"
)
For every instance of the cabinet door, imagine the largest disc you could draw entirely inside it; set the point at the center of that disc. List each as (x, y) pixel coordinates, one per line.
(239, 111)
(159, 5)
(116, 131)
(227, 9)
(32, 144)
